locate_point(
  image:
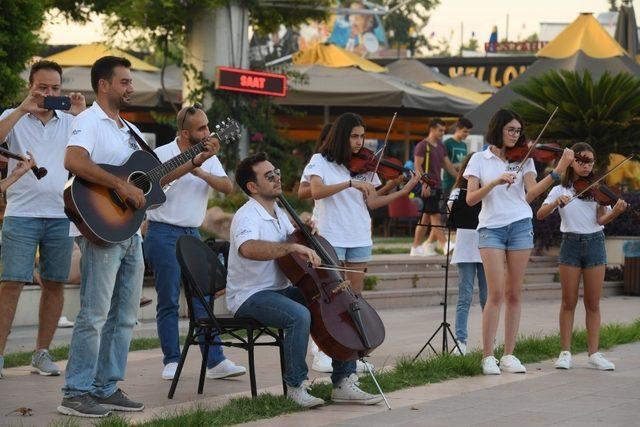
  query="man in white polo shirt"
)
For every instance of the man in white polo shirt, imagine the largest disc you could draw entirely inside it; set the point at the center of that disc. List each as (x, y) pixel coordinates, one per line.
(111, 275)
(180, 215)
(256, 288)
(34, 218)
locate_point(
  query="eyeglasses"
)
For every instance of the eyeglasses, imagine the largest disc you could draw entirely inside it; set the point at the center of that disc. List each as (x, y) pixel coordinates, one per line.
(190, 110)
(514, 131)
(271, 175)
(584, 161)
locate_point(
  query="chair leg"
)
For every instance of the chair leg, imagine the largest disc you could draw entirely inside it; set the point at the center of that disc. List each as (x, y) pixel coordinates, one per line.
(252, 365)
(183, 357)
(282, 368)
(203, 366)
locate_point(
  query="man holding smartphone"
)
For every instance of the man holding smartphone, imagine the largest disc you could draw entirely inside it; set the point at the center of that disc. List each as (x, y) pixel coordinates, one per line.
(34, 219)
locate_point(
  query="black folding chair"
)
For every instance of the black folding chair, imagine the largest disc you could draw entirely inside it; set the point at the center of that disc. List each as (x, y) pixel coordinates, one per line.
(202, 276)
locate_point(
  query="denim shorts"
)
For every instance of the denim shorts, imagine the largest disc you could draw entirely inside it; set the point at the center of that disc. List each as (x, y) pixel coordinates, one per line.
(361, 254)
(583, 250)
(513, 237)
(21, 237)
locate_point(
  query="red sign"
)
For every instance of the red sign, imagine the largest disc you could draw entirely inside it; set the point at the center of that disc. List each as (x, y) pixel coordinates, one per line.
(514, 46)
(248, 81)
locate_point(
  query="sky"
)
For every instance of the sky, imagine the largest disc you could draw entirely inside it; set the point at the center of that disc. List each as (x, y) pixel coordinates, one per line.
(476, 16)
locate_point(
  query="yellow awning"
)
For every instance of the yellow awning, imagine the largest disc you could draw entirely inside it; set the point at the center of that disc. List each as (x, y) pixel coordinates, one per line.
(85, 55)
(585, 34)
(330, 55)
(458, 91)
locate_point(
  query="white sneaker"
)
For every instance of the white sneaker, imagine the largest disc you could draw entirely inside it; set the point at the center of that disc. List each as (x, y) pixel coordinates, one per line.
(63, 322)
(347, 391)
(314, 348)
(225, 369)
(564, 360)
(362, 366)
(321, 362)
(510, 363)
(416, 251)
(462, 349)
(598, 361)
(169, 371)
(301, 396)
(490, 366)
(429, 249)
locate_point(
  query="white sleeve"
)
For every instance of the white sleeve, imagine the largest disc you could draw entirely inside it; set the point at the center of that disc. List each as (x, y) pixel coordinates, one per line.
(473, 167)
(247, 228)
(376, 180)
(4, 114)
(553, 195)
(315, 167)
(529, 167)
(215, 167)
(82, 133)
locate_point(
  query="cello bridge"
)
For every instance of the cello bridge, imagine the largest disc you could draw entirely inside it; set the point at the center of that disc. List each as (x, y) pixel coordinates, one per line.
(342, 287)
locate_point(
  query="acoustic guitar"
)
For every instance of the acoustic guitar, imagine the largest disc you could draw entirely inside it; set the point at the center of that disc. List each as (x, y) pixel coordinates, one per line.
(103, 216)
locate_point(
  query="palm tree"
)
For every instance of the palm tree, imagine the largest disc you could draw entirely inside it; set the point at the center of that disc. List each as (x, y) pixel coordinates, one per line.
(605, 112)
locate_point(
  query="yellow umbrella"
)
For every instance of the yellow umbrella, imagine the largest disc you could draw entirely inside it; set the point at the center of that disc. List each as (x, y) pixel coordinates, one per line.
(85, 55)
(458, 91)
(630, 171)
(585, 34)
(330, 55)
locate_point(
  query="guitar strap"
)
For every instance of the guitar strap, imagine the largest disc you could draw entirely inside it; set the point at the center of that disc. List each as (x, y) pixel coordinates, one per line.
(143, 145)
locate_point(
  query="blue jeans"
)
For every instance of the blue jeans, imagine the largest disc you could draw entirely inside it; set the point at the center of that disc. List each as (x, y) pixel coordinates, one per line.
(287, 309)
(160, 251)
(467, 272)
(512, 237)
(111, 283)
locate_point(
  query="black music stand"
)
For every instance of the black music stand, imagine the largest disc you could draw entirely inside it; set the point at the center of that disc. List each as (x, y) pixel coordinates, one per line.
(461, 215)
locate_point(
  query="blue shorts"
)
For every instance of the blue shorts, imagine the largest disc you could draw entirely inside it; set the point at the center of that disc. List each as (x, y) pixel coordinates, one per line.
(513, 237)
(20, 238)
(583, 250)
(361, 254)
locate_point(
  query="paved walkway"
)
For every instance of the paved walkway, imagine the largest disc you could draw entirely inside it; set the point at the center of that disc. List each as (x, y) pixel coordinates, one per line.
(407, 330)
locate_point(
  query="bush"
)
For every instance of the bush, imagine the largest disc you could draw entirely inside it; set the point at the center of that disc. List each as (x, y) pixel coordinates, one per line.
(627, 223)
(370, 283)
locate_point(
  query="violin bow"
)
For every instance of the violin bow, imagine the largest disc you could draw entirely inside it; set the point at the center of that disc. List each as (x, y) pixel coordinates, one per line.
(384, 146)
(533, 146)
(597, 181)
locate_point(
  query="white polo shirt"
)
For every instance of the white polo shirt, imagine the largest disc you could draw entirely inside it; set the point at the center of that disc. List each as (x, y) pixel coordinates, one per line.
(343, 219)
(245, 276)
(105, 142)
(187, 196)
(501, 206)
(579, 216)
(29, 196)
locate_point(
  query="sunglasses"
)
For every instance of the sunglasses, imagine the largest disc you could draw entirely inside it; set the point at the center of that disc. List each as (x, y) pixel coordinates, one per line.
(189, 111)
(271, 175)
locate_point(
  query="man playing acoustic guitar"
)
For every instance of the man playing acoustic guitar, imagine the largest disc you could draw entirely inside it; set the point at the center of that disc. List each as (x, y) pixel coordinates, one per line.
(111, 274)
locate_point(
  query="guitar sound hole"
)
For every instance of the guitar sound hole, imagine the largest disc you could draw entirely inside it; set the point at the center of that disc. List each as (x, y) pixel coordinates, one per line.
(141, 180)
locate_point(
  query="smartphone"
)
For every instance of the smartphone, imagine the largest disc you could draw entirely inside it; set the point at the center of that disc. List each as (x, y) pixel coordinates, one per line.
(57, 102)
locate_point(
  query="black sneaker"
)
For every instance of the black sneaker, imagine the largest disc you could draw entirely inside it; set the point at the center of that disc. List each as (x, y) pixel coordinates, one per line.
(82, 406)
(119, 401)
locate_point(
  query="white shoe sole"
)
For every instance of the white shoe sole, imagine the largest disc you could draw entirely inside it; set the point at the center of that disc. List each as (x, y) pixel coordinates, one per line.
(167, 377)
(122, 408)
(598, 368)
(225, 375)
(514, 371)
(491, 373)
(35, 370)
(372, 401)
(564, 368)
(68, 411)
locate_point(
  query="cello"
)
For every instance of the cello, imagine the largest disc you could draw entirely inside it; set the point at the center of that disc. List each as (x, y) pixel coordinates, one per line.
(343, 324)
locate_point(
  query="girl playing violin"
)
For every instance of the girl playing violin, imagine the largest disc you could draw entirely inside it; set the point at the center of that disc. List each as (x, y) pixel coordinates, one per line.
(505, 229)
(582, 253)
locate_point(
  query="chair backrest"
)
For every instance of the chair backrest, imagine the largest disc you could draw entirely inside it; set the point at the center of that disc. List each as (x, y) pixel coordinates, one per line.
(403, 207)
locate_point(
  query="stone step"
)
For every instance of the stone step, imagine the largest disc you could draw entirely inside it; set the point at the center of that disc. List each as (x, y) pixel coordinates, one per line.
(403, 263)
(433, 296)
(429, 279)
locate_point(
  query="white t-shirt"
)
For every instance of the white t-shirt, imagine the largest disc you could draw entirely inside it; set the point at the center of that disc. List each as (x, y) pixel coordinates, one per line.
(105, 142)
(343, 219)
(501, 206)
(466, 249)
(187, 196)
(245, 276)
(579, 216)
(29, 196)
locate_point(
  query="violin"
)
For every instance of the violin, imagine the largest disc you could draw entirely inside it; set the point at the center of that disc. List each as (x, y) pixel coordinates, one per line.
(38, 172)
(543, 153)
(343, 324)
(365, 160)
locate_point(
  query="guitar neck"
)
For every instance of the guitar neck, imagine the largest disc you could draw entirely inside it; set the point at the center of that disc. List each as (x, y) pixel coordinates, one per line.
(174, 163)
